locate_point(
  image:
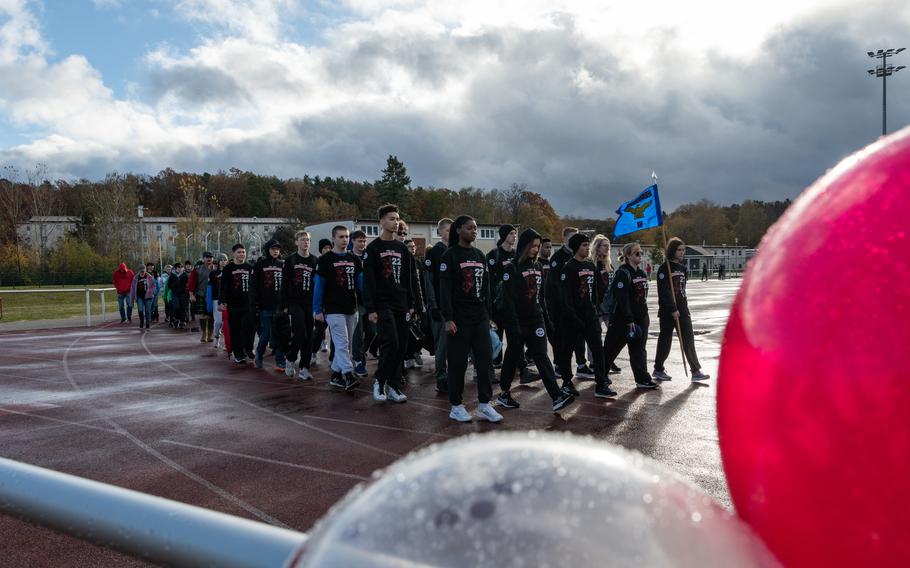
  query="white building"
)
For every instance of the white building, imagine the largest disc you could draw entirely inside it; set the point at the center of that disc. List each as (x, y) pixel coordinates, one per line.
(423, 233)
(253, 232)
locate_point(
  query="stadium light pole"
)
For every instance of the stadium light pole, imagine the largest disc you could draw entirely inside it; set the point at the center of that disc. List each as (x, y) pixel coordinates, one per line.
(884, 71)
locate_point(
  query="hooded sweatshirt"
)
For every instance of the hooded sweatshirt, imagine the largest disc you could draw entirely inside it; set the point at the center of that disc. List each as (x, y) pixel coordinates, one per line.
(265, 285)
(578, 290)
(523, 282)
(123, 279)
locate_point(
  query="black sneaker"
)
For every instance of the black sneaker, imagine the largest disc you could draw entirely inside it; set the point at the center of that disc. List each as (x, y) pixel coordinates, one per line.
(584, 372)
(604, 392)
(527, 376)
(249, 355)
(337, 380)
(563, 401)
(442, 386)
(350, 381)
(240, 360)
(647, 385)
(505, 400)
(614, 370)
(569, 388)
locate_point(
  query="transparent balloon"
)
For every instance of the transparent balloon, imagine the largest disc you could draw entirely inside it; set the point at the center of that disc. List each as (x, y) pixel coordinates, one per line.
(530, 499)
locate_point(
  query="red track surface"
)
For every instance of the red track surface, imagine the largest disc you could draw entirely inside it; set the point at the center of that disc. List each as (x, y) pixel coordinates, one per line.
(161, 413)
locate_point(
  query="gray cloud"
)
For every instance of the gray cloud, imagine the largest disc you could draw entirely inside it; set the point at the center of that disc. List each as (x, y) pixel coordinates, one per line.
(568, 117)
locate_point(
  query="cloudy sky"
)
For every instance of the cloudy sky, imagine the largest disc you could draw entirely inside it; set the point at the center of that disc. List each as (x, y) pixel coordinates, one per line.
(580, 100)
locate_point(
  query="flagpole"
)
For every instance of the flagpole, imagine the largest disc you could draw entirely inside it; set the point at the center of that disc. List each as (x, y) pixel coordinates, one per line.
(679, 336)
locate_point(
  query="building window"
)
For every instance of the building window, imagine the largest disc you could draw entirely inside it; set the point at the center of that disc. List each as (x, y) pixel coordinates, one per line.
(370, 230)
(158, 228)
(488, 233)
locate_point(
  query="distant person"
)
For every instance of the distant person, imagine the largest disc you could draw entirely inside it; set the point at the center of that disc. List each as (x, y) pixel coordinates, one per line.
(265, 299)
(704, 272)
(320, 326)
(150, 268)
(214, 292)
(143, 290)
(165, 293)
(298, 283)
(648, 271)
(123, 280)
(177, 285)
(365, 331)
(234, 297)
(196, 286)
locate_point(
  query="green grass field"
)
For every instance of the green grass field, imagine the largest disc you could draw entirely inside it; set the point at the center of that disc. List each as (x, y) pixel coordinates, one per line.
(56, 305)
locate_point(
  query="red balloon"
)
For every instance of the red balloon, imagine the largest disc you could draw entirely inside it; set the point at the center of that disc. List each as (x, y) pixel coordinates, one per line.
(813, 401)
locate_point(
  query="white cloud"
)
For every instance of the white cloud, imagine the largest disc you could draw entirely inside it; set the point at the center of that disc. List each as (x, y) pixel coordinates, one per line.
(579, 99)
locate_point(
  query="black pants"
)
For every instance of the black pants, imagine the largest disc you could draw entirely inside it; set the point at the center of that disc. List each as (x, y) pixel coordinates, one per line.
(535, 339)
(470, 339)
(301, 334)
(665, 340)
(318, 335)
(589, 332)
(638, 356)
(392, 334)
(240, 321)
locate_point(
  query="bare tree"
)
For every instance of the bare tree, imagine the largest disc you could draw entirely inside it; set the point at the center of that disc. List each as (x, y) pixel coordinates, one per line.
(114, 210)
(13, 204)
(42, 201)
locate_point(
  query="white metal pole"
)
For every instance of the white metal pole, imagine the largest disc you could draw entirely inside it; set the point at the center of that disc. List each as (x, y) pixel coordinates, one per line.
(88, 308)
(103, 307)
(158, 530)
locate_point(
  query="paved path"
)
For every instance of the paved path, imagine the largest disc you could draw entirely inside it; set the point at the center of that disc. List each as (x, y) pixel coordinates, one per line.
(161, 413)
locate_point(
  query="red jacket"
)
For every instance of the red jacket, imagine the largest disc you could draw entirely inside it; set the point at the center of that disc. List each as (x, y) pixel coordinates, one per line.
(123, 279)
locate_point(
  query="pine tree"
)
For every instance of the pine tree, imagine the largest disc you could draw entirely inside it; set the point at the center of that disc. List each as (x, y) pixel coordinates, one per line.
(394, 185)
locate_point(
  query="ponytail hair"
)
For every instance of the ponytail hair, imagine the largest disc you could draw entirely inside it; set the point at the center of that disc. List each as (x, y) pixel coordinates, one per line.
(459, 222)
(627, 250)
(672, 246)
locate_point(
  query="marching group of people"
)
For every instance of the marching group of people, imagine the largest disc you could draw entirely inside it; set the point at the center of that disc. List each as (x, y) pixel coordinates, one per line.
(460, 305)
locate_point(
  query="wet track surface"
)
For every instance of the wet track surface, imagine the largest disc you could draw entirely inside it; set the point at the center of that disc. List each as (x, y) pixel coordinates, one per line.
(161, 413)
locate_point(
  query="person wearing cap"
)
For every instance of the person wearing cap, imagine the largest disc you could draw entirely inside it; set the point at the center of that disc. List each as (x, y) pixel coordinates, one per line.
(629, 320)
(553, 292)
(265, 299)
(579, 313)
(196, 286)
(497, 260)
(525, 312)
(143, 290)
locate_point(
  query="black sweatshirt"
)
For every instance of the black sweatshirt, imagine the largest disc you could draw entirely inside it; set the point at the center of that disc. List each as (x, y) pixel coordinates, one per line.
(265, 286)
(666, 303)
(630, 295)
(557, 260)
(464, 286)
(498, 259)
(434, 258)
(578, 289)
(604, 281)
(177, 284)
(523, 284)
(235, 285)
(299, 280)
(339, 274)
(389, 276)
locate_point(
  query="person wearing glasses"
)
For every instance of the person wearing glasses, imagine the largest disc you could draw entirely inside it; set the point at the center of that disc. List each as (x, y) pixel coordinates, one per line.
(402, 233)
(629, 320)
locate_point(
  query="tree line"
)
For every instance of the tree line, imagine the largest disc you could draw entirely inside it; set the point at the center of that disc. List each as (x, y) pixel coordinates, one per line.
(106, 211)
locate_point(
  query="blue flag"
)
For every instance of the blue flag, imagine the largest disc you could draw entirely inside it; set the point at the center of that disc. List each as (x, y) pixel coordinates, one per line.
(641, 213)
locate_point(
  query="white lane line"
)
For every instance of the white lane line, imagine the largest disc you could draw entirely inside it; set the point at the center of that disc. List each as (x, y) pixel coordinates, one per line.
(329, 433)
(62, 422)
(166, 460)
(267, 460)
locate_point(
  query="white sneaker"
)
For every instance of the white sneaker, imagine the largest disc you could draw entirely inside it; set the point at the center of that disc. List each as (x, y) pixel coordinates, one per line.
(487, 412)
(304, 374)
(408, 364)
(394, 395)
(290, 369)
(460, 414)
(378, 396)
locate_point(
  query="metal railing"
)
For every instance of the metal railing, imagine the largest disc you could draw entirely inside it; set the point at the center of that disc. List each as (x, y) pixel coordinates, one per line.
(88, 298)
(152, 528)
